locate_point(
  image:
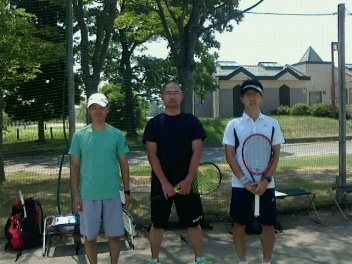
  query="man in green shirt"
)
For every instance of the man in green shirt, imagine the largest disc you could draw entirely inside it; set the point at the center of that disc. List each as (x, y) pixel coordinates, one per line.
(98, 155)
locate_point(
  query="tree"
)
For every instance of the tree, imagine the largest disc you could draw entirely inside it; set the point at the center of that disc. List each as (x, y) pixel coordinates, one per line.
(134, 26)
(41, 99)
(94, 18)
(21, 52)
(188, 23)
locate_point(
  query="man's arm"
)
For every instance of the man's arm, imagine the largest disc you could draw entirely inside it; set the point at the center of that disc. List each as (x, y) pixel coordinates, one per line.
(197, 146)
(125, 172)
(263, 185)
(152, 150)
(230, 152)
(75, 171)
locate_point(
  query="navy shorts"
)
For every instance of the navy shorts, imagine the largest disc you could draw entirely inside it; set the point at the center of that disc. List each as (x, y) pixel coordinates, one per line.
(188, 207)
(242, 206)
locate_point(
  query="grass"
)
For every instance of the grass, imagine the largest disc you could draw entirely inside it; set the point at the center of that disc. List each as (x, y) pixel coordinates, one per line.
(293, 127)
(316, 173)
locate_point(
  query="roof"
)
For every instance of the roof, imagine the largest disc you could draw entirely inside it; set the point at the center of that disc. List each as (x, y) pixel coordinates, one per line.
(264, 70)
(311, 56)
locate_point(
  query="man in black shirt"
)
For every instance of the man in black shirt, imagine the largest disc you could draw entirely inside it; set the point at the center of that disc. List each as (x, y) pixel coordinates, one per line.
(174, 144)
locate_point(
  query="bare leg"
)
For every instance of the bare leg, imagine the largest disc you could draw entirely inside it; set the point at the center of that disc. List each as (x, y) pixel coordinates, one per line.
(115, 248)
(240, 240)
(268, 241)
(196, 235)
(92, 250)
(156, 238)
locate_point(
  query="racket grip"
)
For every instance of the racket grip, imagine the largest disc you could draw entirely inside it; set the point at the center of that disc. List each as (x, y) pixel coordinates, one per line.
(23, 204)
(256, 205)
(122, 195)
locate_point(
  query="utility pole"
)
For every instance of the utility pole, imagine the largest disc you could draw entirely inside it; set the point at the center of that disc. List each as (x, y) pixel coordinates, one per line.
(341, 179)
(334, 47)
(70, 73)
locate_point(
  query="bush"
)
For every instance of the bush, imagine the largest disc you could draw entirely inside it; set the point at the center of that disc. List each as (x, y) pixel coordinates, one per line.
(301, 109)
(322, 110)
(282, 110)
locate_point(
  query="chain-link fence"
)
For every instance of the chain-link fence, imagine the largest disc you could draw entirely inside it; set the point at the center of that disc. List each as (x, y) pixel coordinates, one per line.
(34, 102)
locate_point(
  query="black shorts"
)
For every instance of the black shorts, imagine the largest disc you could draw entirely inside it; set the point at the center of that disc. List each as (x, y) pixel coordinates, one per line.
(188, 207)
(242, 205)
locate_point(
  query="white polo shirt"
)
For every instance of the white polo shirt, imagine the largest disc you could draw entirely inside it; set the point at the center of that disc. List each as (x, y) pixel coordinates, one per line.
(246, 126)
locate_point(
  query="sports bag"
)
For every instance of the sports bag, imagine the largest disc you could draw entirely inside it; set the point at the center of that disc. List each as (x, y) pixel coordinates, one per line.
(24, 228)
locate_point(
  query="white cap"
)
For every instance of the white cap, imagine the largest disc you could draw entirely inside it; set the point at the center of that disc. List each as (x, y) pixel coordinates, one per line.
(98, 98)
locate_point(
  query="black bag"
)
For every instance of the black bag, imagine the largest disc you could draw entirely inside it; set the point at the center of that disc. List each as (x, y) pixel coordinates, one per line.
(253, 227)
(25, 232)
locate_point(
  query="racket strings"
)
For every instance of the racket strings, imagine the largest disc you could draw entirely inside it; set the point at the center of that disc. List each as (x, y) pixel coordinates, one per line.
(257, 154)
(207, 179)
(129, 224)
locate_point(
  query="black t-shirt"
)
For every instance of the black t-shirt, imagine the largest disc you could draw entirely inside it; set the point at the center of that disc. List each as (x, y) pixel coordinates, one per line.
(173, 136)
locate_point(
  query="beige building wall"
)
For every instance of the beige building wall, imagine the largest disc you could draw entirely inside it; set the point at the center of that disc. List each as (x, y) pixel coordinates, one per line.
(298, 93)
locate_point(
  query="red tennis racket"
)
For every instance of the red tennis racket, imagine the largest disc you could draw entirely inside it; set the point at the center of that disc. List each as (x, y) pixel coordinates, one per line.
(257, 156)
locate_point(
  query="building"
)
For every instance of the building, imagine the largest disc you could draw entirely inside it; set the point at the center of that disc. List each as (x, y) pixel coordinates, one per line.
(309, 81)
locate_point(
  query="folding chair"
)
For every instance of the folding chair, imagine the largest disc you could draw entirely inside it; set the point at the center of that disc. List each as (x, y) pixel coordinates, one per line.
(344, 190)
(59, 225)
(283, 193)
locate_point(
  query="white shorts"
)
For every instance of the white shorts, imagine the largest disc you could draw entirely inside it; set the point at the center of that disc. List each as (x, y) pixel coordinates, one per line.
(108, 212)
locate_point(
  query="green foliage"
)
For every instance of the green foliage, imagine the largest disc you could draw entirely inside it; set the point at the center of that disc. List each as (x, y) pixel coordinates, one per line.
(301, 109)
(282, 110)
(322, 110)
(118, 111)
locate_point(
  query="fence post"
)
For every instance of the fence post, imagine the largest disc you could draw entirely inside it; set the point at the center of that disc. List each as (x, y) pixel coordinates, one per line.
(18, 134)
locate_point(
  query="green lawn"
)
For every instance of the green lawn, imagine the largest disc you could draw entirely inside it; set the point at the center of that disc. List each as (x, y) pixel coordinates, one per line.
(315, 173)
(293, 127)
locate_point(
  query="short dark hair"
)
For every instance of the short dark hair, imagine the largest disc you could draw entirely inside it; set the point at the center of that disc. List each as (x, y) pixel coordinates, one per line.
(251, 84)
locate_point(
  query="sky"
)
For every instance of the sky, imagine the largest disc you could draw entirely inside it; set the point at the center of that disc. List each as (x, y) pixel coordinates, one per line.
(281, 38)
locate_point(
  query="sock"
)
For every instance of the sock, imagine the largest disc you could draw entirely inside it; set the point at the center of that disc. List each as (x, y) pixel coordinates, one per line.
(199, 259)
(243, 262)
(267, 262)
(155, 260)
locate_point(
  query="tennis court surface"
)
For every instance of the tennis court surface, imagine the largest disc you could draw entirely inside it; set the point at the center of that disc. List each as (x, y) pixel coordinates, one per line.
(302, 241)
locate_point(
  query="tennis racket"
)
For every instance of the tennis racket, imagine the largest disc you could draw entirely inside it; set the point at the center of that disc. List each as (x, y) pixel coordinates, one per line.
(207, 180)
(131, 229)
(257, 156)
(23, 204)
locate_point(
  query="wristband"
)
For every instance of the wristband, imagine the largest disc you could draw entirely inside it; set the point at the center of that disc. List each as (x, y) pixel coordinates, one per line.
(127, 192)
(244, 180)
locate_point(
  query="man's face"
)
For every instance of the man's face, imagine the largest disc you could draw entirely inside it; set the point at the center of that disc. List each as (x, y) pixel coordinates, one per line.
(172, 96)
(252, 99)
(98, 112)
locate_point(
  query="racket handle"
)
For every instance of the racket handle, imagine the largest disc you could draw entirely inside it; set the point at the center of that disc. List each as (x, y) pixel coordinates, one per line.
(23, 204)
(256, 205)
(122, 195)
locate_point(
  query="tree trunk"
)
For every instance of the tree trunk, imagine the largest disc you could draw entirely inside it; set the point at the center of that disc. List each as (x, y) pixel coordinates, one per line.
(126, 74)
(187, 82)
(41, 131)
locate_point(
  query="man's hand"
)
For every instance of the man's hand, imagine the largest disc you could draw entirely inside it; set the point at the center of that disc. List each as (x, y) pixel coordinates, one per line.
(185, 186)
(127, 205)
(260, 187)
(168, 190)
(251, 186)
(78, 204)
